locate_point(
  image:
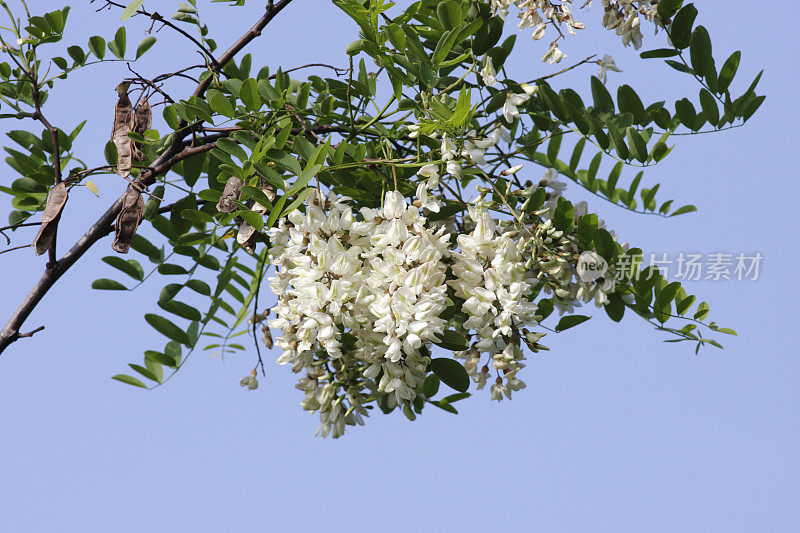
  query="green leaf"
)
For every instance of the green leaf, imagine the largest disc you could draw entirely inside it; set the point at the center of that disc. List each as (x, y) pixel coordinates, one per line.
(680, 32)
(130, 380)
(199, 286)
(637, 145)
(600, 95)
(615, 308)
(97, 45)
(105, 284)
(455, 397)
(709, 105)
(167, 328)
(118, 46)
(444, 406)
(451, 372)
(146, 372)
(299, 200)
(431, 385)
(249, 94)
(180, 309)
(131, 267)
(702, 311)
(728, 71)
(605, 245)
(219, 104)
(146, 44)
(629, 102)
(169, 269)
(449, 14)
(563, 218)
(686, 113)
(683, 210)
(667, 8)
(570, 321)
(451, 340)
(129, 11)
(254, 219)
(701, 55)
(232, 148)
(77, 54)
(680, 67)
(659, 53)
(660, 151)
(171, 117)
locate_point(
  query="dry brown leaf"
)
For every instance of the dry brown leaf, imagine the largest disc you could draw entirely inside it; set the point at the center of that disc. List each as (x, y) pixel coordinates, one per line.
(128, 220)
(142, 121)
(123, 124)
(56, 199)
(232, 191)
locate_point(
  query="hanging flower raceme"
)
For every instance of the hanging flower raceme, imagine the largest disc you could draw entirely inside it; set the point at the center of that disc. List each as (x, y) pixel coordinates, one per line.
(380, 280)
(492, 279)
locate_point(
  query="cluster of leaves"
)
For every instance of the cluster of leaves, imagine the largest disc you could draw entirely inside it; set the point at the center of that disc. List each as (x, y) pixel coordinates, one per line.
(276, 133)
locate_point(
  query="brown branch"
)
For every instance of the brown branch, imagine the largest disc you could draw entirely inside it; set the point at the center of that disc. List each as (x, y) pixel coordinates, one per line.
(338, 70)
(15, 226)
(16, 248)
(31, 333)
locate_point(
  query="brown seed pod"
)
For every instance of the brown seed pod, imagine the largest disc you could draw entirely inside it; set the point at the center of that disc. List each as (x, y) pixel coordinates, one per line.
(123, 124)
(56, 199)
(232, 191)
(128, 220)
(269, 191)
(142, 121)
(266, 337)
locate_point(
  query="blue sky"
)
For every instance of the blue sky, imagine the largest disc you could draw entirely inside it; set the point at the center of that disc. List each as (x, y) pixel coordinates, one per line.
(616, 431)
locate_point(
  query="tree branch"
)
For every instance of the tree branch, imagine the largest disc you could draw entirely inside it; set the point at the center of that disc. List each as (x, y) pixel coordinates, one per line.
(175, 153)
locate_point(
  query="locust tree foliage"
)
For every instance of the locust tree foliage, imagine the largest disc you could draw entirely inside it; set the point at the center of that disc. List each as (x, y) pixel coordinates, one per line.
(410, 212)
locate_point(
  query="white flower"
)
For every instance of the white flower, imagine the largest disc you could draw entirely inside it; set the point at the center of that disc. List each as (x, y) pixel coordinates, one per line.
(500, 133)
(453, 168)
(488, 73)
(448, 149)
(510, 111)
(249, 381)
(431, 172)
(553, 54)
(428, 202)
(606, 64)
(511, 171)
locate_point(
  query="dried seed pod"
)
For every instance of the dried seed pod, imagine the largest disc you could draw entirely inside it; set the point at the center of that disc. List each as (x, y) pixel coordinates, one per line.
(269, 191)
(232, 191)
(128, 220)
(247, 234)
(142, 121)
(56, 199)
(123, 124)
(246, 237)
(266, 337)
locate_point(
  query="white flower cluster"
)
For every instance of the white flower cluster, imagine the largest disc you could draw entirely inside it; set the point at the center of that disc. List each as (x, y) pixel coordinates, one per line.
(537, 14)
(622, 16)
(361, 296)
(492, 279)
(380, 279)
